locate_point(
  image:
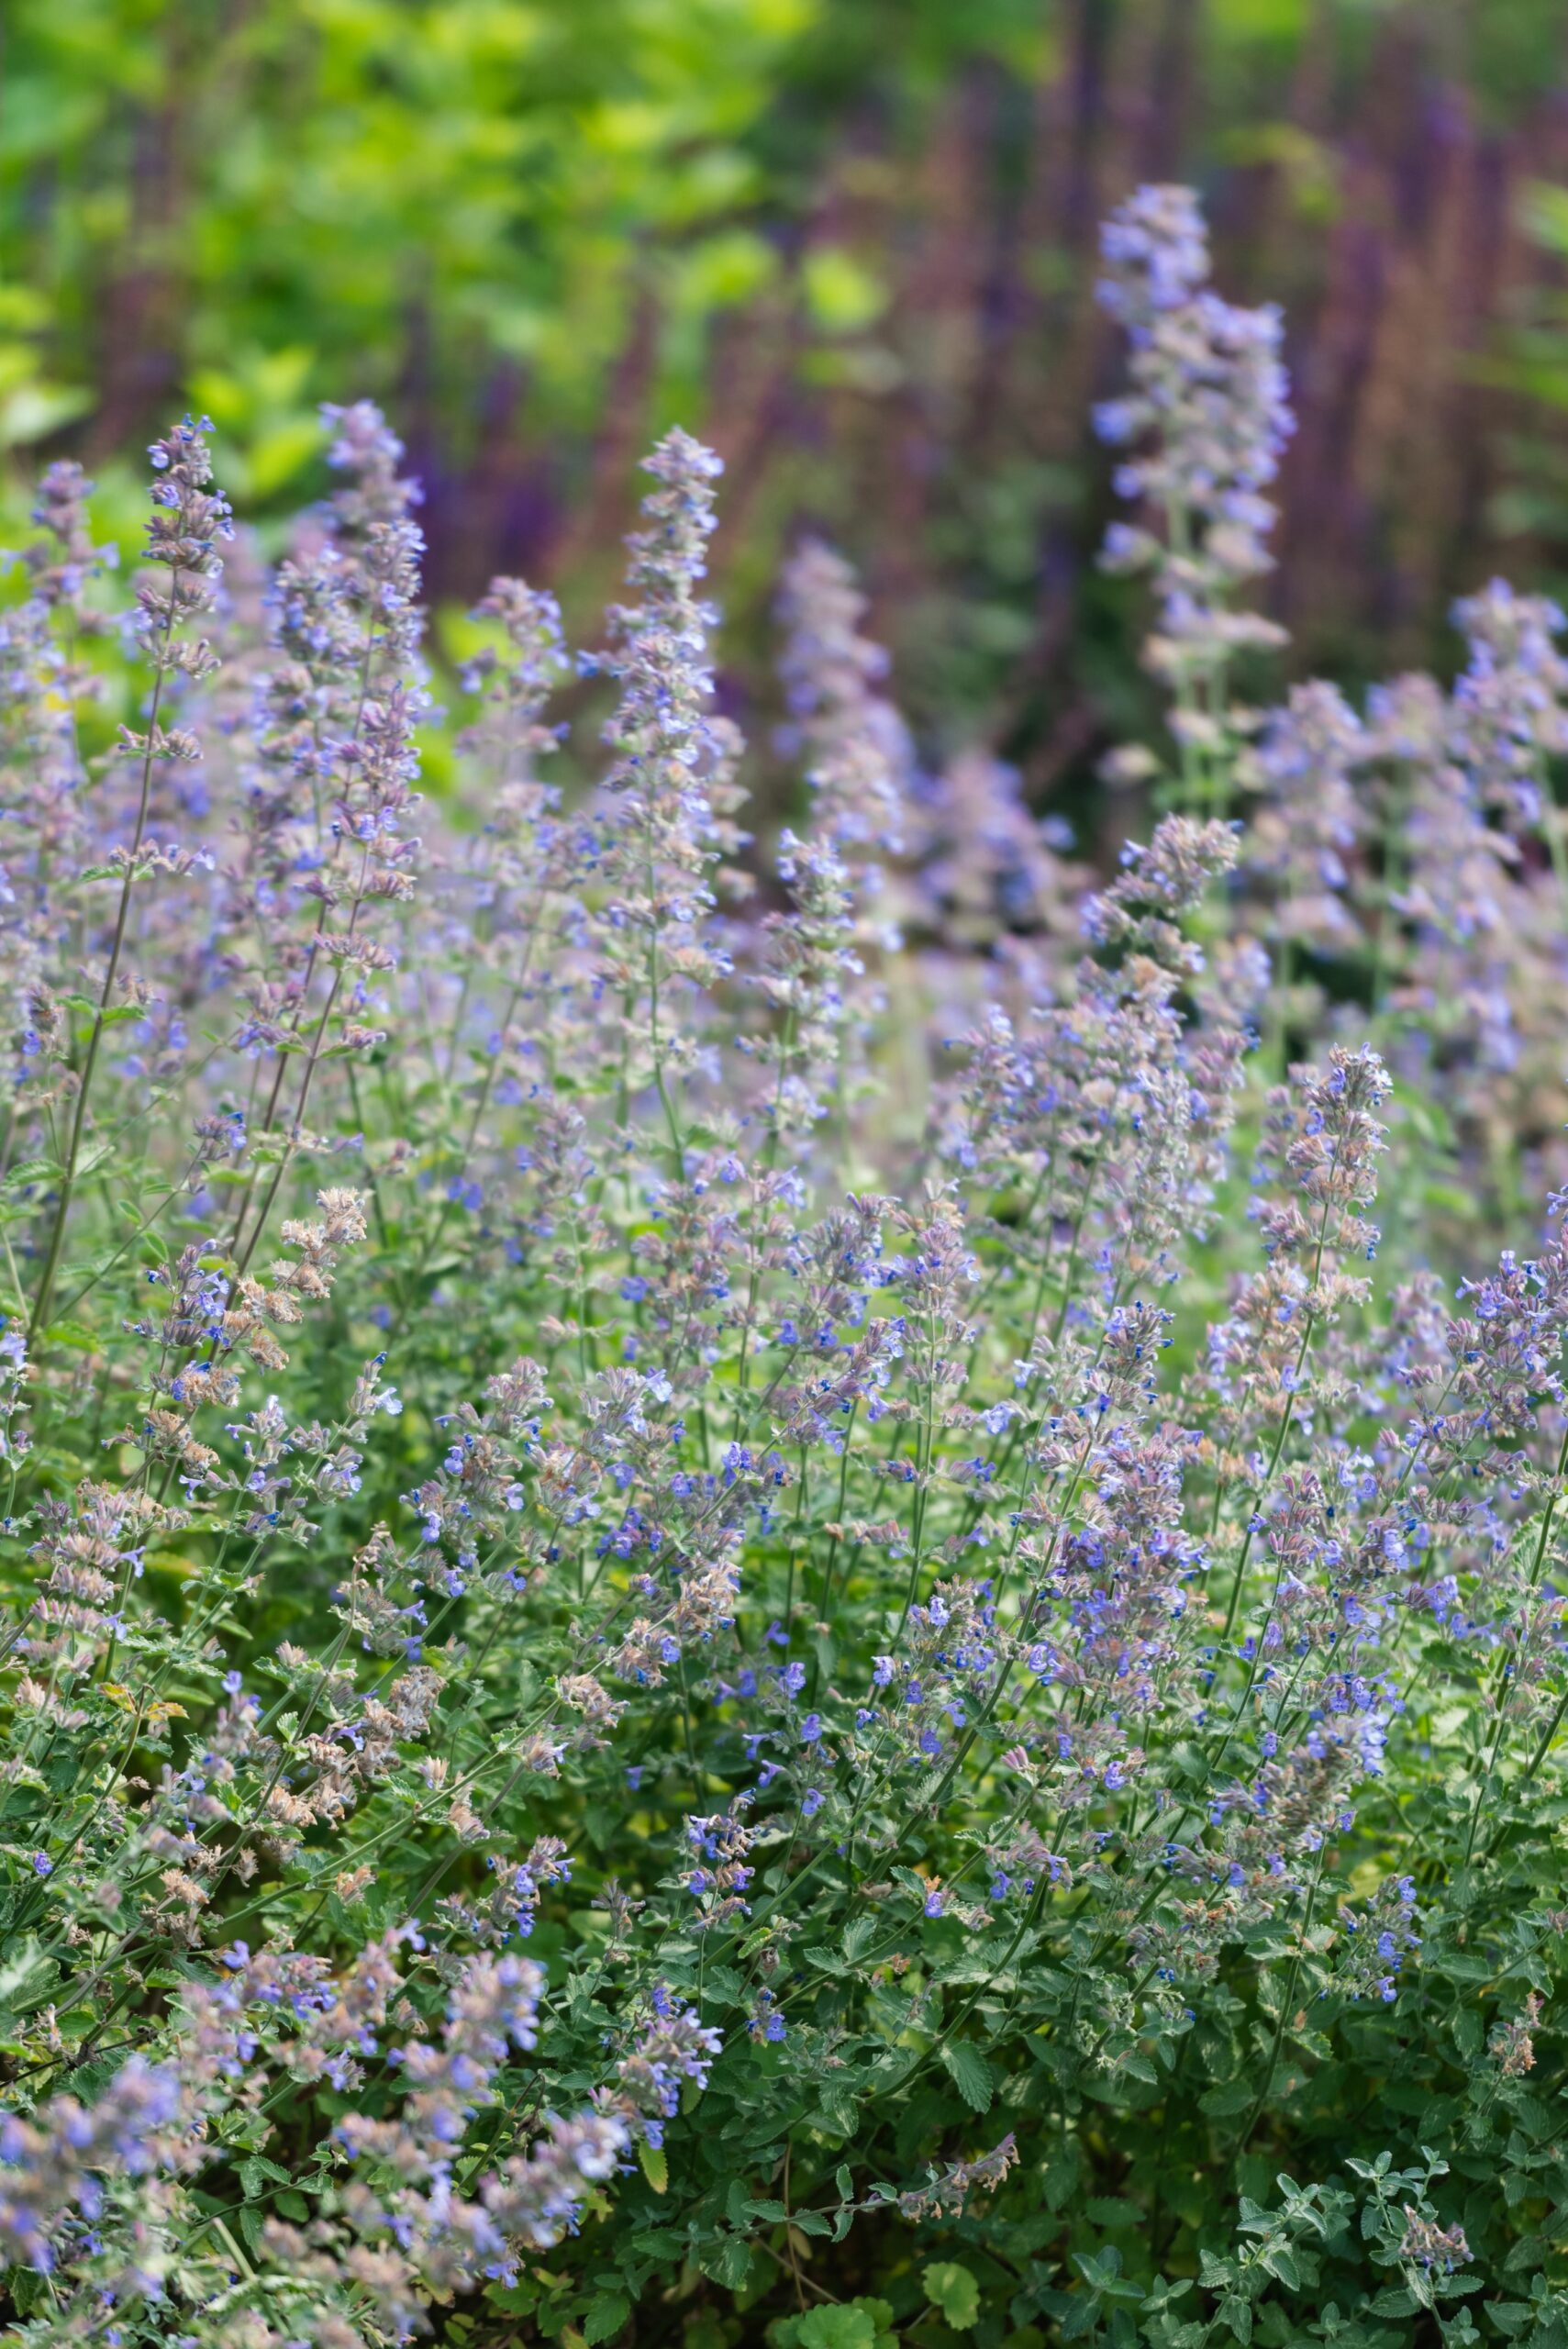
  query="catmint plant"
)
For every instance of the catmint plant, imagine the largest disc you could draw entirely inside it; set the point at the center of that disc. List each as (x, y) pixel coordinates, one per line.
(804, 1591)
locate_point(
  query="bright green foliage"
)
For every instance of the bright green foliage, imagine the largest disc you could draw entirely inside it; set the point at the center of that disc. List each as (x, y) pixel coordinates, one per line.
(952, 2288)
(328, 189)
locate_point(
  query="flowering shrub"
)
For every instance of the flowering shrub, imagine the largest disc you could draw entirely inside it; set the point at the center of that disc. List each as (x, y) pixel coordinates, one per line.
(741, 1603)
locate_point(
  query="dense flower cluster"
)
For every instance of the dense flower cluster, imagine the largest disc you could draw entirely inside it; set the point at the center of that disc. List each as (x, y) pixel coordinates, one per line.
(714, 1549)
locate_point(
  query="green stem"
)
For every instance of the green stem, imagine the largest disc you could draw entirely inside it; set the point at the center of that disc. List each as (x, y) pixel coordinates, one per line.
(73, 1148)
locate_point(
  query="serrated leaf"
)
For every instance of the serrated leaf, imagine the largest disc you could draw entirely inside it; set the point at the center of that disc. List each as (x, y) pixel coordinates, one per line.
(658, 2242)
(970, 2074)
(29, 2291)
(256, 2173)
(734, 2264)
(1102, 2272)
(1111, 2211)
(605, 2316)
(655, 2165)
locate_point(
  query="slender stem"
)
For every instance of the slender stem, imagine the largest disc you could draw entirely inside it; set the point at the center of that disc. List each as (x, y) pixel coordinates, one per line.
(1285, 2004)
(73, 1147)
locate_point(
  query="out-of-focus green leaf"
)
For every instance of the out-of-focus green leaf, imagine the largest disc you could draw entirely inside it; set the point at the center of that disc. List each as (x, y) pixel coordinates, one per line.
(842, 295)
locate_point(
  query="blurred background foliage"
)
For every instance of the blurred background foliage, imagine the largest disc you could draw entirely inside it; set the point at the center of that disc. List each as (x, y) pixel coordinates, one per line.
(851, 241)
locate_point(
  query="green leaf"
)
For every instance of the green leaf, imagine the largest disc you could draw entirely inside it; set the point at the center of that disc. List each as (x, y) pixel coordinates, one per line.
(31, 1170)
(255, 2174)
(27, 1977)
(29, 2291)
(841, 2328)
(655, 2165)
(1281, 2262)
(605, 2316)
(1112, 2210)
(841, 294)
(34, 410)
(734, 2262)
(1238, 2314)
(953, 2290)
(841, 2111)
(1101, 2271)
(970, 2074)
(276, 456)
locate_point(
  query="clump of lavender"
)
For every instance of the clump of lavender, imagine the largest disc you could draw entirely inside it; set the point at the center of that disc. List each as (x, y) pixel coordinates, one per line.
(1205, 422)
(858, 756)
(709, 1620)
(1509, 715)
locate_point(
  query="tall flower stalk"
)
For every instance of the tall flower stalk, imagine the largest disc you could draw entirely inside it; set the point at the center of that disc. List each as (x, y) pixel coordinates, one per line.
(188, 522)
(1204, 423)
